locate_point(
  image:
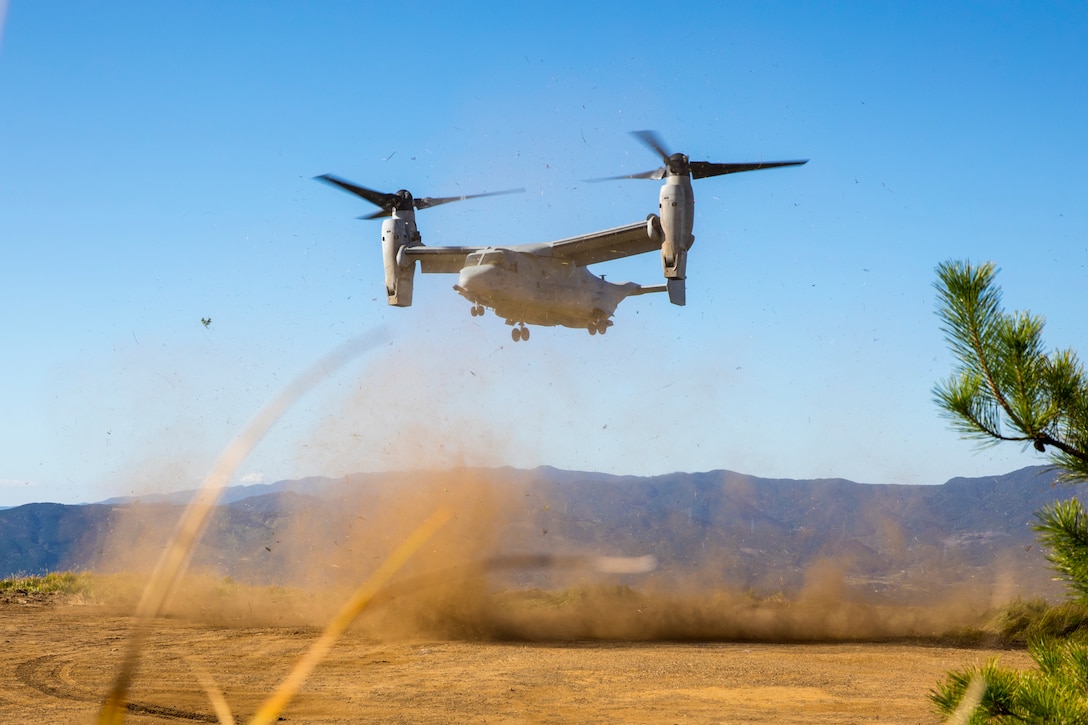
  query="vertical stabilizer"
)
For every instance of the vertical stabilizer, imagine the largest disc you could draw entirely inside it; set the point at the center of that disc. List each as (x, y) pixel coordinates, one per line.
(677, 294)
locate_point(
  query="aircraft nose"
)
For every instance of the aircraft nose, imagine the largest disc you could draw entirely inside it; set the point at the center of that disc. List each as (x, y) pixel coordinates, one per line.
(471, 278)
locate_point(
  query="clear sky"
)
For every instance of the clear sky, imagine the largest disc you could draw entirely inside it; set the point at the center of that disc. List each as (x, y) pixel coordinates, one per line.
(156, 164)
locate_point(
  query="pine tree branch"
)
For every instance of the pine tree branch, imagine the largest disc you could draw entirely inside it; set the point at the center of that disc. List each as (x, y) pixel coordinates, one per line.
(1005, 372)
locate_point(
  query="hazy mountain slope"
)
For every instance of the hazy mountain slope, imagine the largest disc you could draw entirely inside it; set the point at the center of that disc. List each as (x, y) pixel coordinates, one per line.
(717, 528)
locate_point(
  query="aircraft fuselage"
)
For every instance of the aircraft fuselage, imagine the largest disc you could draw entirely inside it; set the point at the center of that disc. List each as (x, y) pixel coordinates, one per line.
(539, 290)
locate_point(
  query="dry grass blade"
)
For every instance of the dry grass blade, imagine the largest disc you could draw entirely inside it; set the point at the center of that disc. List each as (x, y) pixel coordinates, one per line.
(179, 550)
(972, 697)
(362, 597)
(215, 695)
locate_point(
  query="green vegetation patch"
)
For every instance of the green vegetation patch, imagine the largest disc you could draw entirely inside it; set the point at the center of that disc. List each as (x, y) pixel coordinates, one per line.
(65, 582)
(1022, 622)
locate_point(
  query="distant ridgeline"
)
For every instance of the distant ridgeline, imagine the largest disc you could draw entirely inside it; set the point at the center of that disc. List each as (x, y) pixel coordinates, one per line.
(709, 530)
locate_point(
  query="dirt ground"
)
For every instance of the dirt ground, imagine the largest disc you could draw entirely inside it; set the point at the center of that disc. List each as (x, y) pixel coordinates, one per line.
(59, 660)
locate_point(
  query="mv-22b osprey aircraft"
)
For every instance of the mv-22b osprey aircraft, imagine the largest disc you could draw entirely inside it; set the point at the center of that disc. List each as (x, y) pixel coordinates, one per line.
(548, 283)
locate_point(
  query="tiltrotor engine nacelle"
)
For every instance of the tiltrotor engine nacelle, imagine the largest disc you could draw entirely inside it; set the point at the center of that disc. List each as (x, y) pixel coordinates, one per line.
(677, 208)
(397, 235)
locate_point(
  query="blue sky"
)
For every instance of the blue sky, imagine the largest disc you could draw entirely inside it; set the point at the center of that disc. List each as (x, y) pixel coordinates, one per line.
(156, 164)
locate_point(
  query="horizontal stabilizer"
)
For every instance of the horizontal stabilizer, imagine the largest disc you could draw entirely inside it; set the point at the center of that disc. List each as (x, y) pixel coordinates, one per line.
(677, 293)
(650, 288)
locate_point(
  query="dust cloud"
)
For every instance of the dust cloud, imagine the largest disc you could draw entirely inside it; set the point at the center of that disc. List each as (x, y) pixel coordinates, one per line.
(494, 573)
(518, 562)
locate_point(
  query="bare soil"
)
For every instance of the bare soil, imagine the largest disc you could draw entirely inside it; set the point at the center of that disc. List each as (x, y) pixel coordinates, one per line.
(59, 660)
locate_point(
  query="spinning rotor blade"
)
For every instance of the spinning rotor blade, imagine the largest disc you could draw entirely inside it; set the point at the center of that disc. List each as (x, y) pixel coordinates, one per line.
(703, 169)
(377, 198)
(653, 142)
(679, 163)
(655, 174)
(402, 199)
(427, 201)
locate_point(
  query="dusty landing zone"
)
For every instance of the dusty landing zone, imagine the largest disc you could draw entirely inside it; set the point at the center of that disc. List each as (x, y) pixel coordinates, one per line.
(59, 659)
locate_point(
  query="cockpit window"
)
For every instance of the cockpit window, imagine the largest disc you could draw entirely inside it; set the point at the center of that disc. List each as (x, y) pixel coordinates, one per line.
(496, 257)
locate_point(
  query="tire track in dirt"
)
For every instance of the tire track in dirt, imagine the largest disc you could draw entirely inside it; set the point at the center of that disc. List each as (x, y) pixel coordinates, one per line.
(51, 676)
(58, 664)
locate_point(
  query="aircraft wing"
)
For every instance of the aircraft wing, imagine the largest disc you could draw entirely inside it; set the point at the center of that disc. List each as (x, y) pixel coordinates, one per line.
(582, 250)
(440, 259)
(607, 245)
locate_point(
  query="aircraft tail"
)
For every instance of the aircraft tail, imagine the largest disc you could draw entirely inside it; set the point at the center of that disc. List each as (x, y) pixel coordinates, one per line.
(677, 291)
(645, 290)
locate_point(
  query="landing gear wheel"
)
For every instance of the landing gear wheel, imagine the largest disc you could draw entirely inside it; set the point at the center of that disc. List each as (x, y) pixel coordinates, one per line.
(516, 334)
(474, 312)
(525, 333)
(480, 310)
(598, 323)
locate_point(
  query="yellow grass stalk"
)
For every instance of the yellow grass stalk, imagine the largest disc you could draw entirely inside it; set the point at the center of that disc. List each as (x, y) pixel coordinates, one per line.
(175, 558)
(972, 698)
(363, 596)
(215, 695)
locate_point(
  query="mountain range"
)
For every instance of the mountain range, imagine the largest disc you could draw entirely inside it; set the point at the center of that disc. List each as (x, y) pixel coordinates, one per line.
(717, 528)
